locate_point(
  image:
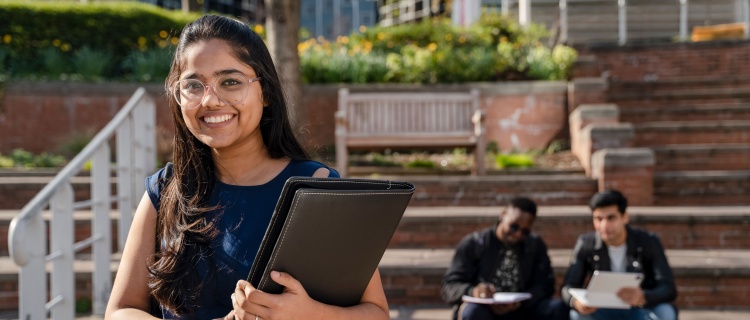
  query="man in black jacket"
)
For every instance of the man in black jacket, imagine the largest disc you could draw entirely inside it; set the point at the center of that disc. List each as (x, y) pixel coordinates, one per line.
(504, 258)
(617, 247)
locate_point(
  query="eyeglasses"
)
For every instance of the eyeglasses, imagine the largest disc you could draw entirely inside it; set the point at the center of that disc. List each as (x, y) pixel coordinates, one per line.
(514, 227)
(229, 88)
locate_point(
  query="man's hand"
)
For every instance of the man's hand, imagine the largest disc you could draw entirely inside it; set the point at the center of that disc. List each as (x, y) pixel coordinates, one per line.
(582, 308)
(483, 290)
(632, 296)
(501, 309)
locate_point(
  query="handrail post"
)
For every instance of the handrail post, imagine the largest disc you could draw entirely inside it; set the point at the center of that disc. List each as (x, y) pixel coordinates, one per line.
(563, 21)
(524, 13)
(61, 245)
(32, 277)
(101, 227)
(683, 20)
(622, 21)
(125, 199)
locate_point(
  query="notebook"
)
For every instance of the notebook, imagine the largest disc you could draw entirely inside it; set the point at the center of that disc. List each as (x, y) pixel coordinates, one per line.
(602, 289)
(330, 234)
(499, 298)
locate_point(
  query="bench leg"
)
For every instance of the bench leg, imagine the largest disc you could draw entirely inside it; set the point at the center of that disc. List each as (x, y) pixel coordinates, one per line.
(479, 167)
(342, 158)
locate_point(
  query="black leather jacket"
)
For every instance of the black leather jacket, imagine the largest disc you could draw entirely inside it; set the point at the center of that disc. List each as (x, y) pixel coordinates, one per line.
(476, 258)
(645, 254)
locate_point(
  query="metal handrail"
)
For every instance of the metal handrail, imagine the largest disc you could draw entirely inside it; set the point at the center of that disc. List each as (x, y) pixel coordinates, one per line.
(133, 127)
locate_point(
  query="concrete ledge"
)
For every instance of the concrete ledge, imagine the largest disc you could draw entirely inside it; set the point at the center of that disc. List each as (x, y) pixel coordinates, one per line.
(608, 135)
(605, 111)
(621, 157)
(588, 84)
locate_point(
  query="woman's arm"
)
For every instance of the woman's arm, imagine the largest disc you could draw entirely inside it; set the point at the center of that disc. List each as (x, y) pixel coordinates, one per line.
(294, 303)
(130, 293)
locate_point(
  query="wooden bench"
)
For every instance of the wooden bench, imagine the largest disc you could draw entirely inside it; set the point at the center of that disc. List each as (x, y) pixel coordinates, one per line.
(407, 120)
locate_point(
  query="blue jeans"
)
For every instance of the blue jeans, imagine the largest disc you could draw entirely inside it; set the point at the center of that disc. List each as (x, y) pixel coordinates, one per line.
(547, 309)
(662, 311)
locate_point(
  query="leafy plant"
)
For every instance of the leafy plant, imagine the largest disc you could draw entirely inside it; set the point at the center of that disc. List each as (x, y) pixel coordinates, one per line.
(420, 163)
(91, 64)
(75, 143)
(23, 158)
(6, 162)
(54, 62)
(516, 160)
(151, 65)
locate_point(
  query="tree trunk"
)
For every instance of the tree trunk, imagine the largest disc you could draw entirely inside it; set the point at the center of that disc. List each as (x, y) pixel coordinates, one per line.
(282, 38)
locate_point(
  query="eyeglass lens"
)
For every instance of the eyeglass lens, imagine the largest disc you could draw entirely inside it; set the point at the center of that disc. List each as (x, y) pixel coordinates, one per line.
(230, 89)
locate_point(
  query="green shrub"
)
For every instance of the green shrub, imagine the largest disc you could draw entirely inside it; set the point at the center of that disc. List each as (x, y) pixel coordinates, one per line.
(149, 66)
(517, 160)
(6, 162)
(118, 28)
(54, 62)
(23, 158)
(421, 163)
(91, 64)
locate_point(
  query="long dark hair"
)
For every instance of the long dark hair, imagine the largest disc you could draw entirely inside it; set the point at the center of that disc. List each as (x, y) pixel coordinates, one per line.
(182, 230)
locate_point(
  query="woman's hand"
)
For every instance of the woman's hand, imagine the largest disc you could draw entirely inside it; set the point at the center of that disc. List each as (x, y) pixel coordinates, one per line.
(292, 303)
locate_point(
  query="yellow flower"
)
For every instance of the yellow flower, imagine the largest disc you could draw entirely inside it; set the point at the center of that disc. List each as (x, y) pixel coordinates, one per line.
(448, 37)
(462, 39)
(362, 28)
(175, 40)
(56, 42)
(432, 47)
(258, 28)
(380, 36)
(162, 43)
(142, 43)
(65, 47)
(163, 34)
(7, 38)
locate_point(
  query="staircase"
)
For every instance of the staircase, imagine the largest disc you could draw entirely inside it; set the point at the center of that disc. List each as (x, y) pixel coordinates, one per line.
(699, 129)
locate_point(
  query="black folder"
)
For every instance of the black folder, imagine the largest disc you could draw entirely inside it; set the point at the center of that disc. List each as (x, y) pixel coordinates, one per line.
(330, 234)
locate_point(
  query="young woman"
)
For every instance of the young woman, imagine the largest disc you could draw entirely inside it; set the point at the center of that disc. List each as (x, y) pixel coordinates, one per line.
(198, 227)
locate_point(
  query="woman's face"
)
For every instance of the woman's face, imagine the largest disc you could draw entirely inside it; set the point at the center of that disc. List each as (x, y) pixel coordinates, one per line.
(221, 121)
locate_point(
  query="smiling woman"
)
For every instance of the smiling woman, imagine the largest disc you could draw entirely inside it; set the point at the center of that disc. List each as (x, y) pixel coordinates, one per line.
(198, 228)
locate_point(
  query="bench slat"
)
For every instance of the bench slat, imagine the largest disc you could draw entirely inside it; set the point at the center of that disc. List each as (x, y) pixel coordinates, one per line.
(403, 119)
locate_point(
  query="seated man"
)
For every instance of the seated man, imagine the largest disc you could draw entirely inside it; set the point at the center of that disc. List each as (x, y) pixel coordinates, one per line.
(504, 258)
(617, 247)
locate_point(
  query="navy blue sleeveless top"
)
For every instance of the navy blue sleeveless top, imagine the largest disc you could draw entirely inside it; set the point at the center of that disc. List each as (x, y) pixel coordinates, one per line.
(245, 214)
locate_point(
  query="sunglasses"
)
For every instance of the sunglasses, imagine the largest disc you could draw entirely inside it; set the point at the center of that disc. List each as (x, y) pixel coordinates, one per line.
(514, 227)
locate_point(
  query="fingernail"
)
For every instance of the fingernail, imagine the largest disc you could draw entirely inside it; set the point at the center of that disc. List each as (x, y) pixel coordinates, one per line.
(275, 274)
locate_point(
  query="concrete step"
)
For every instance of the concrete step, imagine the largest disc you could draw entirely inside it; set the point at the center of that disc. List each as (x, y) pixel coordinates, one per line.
(700, 157)
(441, 312)
(546, 189)
(702, 188)
(704, 278)
(559, 226)
(679, 85)
(637, 98)
(652, 134)
(700, 112)
(17, 191)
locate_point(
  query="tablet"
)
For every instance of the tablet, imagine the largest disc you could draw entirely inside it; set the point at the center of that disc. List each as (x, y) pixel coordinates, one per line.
(603, 287)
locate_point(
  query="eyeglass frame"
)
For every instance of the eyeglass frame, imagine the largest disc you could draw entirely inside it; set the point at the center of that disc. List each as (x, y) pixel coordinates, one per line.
(515, 227)
(206, 86)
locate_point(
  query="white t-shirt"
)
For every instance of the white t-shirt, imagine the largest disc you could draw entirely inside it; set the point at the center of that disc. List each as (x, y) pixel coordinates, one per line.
(618, 263)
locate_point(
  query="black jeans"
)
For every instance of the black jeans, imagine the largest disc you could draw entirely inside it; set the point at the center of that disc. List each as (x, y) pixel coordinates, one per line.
(547, 309)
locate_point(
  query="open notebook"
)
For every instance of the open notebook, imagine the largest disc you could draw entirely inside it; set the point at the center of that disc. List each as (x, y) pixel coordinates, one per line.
(602, 289)
(330, 234)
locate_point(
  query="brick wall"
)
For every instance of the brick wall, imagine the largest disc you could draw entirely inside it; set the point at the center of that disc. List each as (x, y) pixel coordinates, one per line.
(638, 62)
